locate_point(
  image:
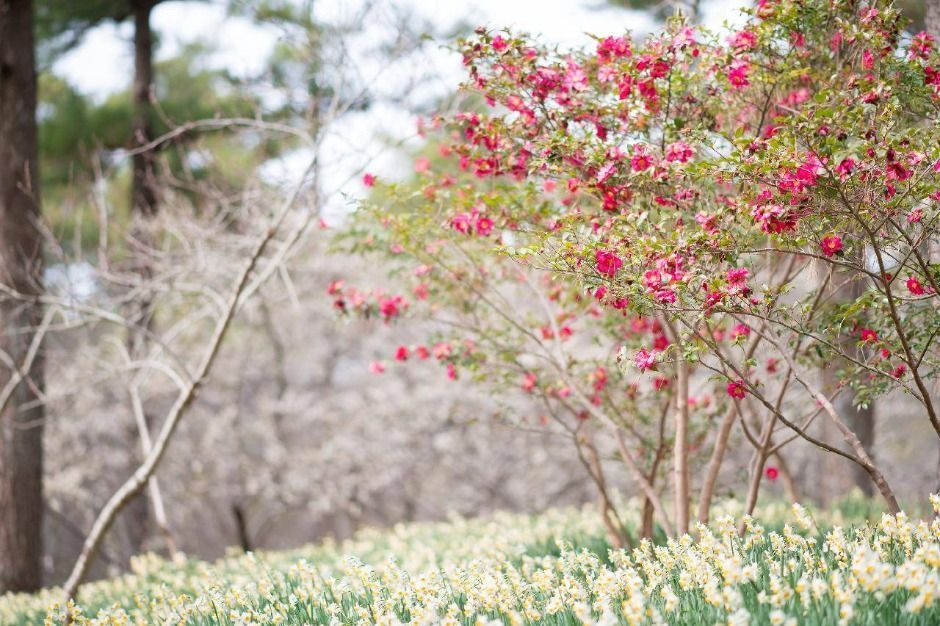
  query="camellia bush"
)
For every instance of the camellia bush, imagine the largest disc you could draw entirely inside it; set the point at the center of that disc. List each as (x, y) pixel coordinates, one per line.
(726, 214)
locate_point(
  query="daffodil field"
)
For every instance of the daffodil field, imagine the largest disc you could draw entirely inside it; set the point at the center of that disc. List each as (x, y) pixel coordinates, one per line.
(791, 567)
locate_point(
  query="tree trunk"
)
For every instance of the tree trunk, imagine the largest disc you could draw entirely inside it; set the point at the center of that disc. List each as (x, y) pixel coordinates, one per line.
(932, 17)
(681, 452)
(144, 205)
(21, 374)
(144, 185)
(861, 420)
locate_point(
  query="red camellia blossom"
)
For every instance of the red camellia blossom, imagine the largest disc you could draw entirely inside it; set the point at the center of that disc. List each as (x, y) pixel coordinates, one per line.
(914, 286)
(484, 225)
(402, 353)
(845, 168)
(368, 180)
(831, 244)
(737, 73)
(740, 330)
(736, 389)
(607, 262)
(391, 307)
(641, 160)
(867, 335)
(422, 353)
(772, 473)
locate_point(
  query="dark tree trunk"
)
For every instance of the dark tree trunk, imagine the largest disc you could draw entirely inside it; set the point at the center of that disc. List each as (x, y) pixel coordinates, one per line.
(144, 205)
(144, 186)
(21, 270)
(241, 527)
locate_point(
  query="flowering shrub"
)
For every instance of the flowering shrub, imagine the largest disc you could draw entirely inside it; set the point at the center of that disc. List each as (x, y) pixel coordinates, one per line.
(767, 200)
(549, 569)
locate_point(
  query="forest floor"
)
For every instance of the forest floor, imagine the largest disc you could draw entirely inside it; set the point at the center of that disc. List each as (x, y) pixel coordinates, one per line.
(850, 565)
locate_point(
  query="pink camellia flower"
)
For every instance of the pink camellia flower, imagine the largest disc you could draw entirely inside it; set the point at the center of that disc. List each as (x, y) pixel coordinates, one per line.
(422, 164)
(744, 40)
(368, 179)
(484, 225)
(451, 371)
(737, 73)
(335, 287)
(402, 353)
(771, 472)
(678, 151)
(499, 44)
(528, 382)
(652, 279)
(441, 351)
(641, 161)
(845, 168)
(422, 353)
(740, 330)
(607, 262)
(666, 296)
(736, 389)
(421, 291)
(914, 286)
(737, 276)
(613, 48)
(462, 223)
(377, 367)
(600, 292)
(831, 244)
(645, 360)
(867, 335)
(390, 307)
(915, 216)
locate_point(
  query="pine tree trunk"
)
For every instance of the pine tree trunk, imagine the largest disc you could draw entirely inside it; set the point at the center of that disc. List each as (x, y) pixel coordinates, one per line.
(144, 205)
(144, 185)
(21, 415)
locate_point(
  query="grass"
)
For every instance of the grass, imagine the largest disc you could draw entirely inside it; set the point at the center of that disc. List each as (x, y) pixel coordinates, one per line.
(552, 569)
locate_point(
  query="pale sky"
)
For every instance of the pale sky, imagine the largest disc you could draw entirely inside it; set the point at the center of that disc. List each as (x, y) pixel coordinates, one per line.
(103, 63)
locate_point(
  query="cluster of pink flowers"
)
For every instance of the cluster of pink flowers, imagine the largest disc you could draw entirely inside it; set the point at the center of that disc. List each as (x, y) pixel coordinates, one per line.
(472, 223)
(349, 299)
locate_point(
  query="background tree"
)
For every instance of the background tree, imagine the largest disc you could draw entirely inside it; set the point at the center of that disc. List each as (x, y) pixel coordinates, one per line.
(21, 263)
